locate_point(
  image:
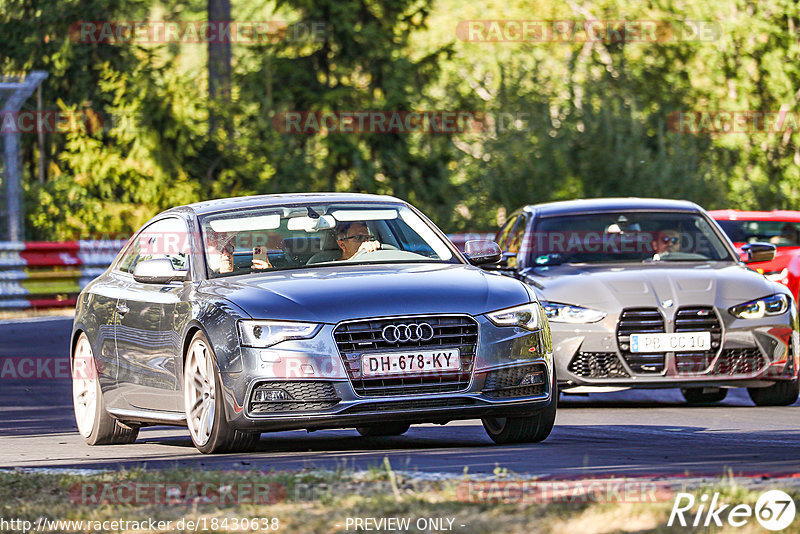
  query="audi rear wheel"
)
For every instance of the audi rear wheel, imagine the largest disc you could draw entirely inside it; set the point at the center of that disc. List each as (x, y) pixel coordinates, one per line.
(95, 424)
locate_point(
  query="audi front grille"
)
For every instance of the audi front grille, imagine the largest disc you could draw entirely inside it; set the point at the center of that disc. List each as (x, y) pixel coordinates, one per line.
(356, 338)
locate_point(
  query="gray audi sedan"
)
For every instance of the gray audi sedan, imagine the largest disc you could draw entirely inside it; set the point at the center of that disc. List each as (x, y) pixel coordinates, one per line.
(306, 311)
(650, 293)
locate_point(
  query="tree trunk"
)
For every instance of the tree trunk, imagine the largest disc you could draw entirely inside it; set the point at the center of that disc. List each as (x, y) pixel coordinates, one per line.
(219, 59)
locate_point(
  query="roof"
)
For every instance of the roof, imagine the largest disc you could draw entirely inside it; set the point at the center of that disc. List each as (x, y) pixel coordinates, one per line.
(599, 205)
(257, 201)
(739, 215)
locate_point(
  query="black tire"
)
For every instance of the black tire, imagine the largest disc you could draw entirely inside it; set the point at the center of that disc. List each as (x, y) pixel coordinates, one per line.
(387, 429)
(699, 396)
(223, 438)
(532, 429)
(782, 393)
(105, 430)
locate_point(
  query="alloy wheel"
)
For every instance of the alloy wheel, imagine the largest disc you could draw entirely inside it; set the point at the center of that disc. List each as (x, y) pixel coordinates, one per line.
(200, 392)
(84, 387)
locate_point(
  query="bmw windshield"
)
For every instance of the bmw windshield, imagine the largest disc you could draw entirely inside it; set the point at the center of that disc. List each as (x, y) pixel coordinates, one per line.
(295, 237)
(627, 236)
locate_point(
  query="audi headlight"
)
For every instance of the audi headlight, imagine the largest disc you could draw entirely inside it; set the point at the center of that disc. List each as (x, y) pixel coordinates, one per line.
(263, 334)
(565, 313)
(526, 316)
(756, 309)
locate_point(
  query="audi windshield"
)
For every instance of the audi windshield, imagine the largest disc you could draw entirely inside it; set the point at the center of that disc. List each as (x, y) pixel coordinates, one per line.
(279, 238)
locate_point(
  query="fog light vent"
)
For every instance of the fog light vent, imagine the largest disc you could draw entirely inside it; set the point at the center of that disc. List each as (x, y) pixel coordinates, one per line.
(532, 379)
(526, 381)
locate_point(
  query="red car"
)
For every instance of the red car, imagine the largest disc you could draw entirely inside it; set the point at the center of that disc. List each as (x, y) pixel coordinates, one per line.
(779, 227)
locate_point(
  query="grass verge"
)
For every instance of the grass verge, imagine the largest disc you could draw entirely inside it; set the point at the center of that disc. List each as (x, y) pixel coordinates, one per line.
(326, 502)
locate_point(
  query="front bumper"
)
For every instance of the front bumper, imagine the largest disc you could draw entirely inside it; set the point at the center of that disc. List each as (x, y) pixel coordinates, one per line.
(748, 353)
(313, 372)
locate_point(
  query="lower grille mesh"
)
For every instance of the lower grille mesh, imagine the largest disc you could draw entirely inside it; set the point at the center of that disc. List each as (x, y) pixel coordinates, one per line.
(404, 406)
(597, 365)
(739, 362)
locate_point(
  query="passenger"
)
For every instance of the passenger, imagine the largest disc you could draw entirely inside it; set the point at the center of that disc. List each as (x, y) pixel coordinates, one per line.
(221, 252)
(354, 237)
(666, 241)
(789, 237)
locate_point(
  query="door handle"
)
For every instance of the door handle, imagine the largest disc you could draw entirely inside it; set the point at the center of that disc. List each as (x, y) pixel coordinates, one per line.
(122, 309)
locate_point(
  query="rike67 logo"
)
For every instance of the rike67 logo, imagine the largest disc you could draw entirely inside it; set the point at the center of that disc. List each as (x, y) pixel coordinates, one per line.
(774, 510)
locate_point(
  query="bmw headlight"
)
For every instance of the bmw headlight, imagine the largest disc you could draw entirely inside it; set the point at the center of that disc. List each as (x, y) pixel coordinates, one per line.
(527, 316)
(756, 309)
(263, 334)
(565, 313)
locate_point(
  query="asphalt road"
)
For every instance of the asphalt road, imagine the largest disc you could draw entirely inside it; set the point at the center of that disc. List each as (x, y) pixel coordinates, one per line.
(623, 433)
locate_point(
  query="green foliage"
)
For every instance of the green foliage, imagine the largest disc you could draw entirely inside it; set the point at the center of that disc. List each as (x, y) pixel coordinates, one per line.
(563, 120)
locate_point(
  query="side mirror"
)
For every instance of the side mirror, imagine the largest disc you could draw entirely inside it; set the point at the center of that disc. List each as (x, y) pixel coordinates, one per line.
(158, 271)
(480, 252)
(757, 252)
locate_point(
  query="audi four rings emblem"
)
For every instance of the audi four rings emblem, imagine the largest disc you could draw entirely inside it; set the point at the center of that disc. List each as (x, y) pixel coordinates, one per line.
(403, 333)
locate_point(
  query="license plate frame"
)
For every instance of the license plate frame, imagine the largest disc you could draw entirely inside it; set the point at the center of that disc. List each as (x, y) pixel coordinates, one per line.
(670, 342)
(388, 364)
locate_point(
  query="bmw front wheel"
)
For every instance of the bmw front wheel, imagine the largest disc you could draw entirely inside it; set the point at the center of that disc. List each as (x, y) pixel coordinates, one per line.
(781, 393)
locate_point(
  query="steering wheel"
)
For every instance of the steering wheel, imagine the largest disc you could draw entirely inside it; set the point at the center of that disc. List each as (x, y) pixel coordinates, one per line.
(363, 252)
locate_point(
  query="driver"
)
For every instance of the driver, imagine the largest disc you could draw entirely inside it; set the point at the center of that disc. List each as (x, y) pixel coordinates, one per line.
(666, 241)
(354, 237)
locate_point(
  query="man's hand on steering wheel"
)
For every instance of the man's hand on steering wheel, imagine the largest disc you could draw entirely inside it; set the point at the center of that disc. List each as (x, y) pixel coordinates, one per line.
(366, 247)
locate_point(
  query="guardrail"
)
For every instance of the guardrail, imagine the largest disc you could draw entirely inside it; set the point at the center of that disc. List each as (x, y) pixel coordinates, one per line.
(38, 274)
(46, 275)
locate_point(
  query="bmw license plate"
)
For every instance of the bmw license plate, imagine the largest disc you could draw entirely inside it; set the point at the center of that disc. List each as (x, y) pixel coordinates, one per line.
(681, 342)
(411, 362)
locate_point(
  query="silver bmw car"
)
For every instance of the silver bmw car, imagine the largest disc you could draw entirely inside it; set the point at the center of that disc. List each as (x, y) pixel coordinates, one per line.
(650, 293)
(308, 311)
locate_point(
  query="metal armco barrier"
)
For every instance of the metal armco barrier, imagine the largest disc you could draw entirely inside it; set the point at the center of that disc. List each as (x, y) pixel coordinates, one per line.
(48, 275)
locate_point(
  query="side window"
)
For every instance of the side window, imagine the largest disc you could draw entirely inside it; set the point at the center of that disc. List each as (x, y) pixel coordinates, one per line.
(167, 238)
(517, 234)
(505, 233)
(515, 241)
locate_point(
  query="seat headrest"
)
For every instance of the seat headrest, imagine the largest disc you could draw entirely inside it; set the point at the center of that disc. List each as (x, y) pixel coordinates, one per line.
(300, 249)
(329, 241)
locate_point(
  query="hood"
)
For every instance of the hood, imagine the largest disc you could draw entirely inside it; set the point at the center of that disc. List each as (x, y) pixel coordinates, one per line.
(335, 293)
(610, 287)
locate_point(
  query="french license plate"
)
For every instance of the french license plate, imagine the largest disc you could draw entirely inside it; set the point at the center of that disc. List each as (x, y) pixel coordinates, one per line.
(411, 362)
(682, 342)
